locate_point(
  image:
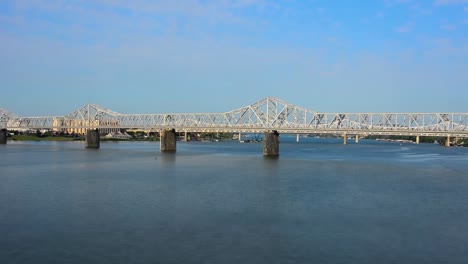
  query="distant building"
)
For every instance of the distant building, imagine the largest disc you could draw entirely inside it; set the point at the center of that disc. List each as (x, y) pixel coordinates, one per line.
(79, 126)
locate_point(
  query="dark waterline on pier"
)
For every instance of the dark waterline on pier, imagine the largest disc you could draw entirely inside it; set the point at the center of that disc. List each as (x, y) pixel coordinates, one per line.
(222, 202)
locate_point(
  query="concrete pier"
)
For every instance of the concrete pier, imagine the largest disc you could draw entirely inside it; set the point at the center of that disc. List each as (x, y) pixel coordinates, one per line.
(3, 136)
(417, 139)
(92, 139)
(345, 138)
(271, 143)
(185, 136)
(357, 139)
(168, 140)
(297, 137)
(447, 141)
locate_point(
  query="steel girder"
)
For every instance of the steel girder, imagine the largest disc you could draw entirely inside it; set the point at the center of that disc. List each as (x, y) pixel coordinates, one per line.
(267, 114)
(5, 117)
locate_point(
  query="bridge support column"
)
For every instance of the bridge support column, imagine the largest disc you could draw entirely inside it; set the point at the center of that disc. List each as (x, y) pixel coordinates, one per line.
(417, 139)
(92, 139)
(357, 139)
(168, 140)
(345, 138)
(240, 136)
(297, 137)
(185, 136)
(271, 143)
(3, 136)
(447, 141)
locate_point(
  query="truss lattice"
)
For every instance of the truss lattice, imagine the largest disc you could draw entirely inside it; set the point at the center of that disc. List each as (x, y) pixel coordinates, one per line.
(267, 114)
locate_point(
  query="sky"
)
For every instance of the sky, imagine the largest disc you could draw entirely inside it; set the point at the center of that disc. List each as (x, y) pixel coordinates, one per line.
(161, 56)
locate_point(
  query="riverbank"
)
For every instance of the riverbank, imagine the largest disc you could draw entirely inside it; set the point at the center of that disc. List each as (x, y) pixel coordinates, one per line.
(62, 138)
(48, 138)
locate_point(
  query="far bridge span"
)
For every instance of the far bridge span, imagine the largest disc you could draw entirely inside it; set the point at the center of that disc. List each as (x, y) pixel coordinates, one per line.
(269, 115)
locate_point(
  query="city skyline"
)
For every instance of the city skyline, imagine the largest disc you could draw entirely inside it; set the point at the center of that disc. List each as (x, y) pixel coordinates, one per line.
(215, 56)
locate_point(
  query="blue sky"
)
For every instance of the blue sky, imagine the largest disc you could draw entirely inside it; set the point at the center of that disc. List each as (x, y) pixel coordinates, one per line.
(160, 56)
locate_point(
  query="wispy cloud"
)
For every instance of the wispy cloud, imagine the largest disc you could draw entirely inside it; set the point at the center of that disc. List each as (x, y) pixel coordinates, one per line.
(448, 27)
(421, 9)
(211, 10)
(450, 2)
(404, 29)
(397, 2)
(110, 22)
(320, 10)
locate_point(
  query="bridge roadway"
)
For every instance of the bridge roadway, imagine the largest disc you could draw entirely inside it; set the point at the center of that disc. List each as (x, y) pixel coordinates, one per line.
(267, 115)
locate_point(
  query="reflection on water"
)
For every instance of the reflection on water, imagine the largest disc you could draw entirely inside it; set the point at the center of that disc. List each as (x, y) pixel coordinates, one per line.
(167, 158)
(223, 202)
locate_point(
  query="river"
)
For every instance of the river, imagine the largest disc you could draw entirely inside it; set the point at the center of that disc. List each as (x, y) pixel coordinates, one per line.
(222, 202)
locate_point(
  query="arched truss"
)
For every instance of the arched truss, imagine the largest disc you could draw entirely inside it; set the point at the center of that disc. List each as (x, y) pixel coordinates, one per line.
(5, 117)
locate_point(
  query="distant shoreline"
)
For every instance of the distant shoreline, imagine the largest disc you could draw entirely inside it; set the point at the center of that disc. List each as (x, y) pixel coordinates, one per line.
(61, 138)
(48, 138)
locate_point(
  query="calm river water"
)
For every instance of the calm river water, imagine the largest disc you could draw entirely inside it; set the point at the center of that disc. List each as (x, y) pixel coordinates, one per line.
(222, 202)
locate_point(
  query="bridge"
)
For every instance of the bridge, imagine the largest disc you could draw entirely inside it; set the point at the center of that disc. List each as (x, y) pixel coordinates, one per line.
(271, 115)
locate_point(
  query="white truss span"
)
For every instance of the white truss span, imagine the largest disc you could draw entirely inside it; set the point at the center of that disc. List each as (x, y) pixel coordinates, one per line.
(267, 114)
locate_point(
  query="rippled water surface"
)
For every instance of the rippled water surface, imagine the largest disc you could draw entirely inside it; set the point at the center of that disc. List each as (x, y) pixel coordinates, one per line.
(222, 202)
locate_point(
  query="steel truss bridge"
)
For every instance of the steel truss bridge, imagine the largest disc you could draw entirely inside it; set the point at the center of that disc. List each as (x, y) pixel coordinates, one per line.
(265, 115)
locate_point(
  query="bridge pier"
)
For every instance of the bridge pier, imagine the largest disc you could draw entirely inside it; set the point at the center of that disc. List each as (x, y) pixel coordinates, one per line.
(357, 138)
(92, 139)
(447, 141)
(3, 136)
(185, 136)
(271, 143)
(417, 139)
(168, 140)
(345, 138)
(297, 137)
